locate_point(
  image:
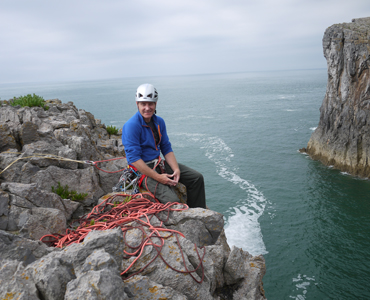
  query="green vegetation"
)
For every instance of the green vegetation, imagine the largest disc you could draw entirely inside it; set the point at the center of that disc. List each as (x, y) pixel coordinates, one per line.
(112, 130)
(65, 193)
(30, 101)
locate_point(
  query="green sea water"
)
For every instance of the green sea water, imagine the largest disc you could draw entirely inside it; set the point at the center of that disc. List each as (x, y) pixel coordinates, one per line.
(243, 132)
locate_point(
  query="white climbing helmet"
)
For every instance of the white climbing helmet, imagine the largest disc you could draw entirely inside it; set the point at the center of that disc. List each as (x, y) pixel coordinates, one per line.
(146, 92)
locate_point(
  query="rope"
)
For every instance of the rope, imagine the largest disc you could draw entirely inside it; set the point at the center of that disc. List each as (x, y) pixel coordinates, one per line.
(139, 208)
(111, 172)
(56, 157)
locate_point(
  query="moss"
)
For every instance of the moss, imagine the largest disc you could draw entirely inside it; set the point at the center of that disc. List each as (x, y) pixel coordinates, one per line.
(65, 193)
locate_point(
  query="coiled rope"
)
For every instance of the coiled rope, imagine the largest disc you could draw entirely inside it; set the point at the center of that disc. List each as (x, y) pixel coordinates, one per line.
(139, 208)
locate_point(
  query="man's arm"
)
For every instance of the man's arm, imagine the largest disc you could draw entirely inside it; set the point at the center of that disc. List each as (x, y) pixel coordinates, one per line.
(171, 160)
(162, 178)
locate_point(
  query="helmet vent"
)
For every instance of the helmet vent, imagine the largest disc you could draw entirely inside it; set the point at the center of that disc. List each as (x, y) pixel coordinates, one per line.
(146, 92)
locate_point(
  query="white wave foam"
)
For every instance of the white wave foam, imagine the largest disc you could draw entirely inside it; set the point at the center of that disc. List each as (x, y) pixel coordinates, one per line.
(242, 227)
(302, 283)
(313, 128)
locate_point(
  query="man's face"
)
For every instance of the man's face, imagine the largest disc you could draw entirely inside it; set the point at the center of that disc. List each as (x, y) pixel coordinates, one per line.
(146, 109)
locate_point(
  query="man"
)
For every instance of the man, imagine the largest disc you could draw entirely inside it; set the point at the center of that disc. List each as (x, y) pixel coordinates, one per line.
(144, 137)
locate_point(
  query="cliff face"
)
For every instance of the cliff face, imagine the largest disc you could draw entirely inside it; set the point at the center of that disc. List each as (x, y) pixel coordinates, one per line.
(342, 136)
(41, 148)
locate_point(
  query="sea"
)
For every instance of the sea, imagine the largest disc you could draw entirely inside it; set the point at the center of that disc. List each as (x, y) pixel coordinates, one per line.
(243, 132)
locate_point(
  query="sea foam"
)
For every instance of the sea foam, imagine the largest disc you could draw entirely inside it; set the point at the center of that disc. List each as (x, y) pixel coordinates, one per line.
(242, 227)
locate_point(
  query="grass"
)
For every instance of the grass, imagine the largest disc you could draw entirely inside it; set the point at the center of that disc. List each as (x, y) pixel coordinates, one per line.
(112, 130)
(30, 101)
(65, 193)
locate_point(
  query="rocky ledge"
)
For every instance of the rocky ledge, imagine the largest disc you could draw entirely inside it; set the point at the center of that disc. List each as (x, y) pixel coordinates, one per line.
(43, 148)
(342, 136)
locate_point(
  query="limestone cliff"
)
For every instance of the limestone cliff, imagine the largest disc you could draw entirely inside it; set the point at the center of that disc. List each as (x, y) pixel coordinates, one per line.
(41, 148)
(342, 136)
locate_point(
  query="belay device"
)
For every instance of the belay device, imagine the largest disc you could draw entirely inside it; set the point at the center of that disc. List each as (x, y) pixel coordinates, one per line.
(128, 180)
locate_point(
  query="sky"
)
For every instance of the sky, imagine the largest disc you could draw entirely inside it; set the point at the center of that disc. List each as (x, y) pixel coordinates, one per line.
(88, 39)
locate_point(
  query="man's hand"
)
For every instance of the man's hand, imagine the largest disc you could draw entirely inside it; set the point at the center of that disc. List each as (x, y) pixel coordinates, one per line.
(168, 179)
(171, 160)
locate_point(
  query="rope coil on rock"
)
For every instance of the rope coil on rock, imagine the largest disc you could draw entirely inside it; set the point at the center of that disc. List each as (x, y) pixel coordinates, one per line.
(134, 213)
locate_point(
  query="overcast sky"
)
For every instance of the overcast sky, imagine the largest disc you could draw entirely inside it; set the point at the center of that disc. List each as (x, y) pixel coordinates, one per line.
(88, 39)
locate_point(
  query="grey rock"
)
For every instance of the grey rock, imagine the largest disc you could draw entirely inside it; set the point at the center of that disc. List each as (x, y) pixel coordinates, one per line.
(235, 269)
(160, 272)
(140, 287)
(98, 260)
(108, 180)
(40, 221)
(251, 286)
(342, 136)
(218, 260)
(11, 162)
(103, 284)
(208, 224)
(7, 139)
(13, 218)
(109, 240)
(14, 247)
(4, 203)
(9, 115)
(28, 133)
(80, 180)
(51, 275)
(31, 196)
(14, 284)
(91, 269)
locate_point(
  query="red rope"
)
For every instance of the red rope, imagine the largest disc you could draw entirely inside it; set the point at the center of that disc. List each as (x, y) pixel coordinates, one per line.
(94, 163)
(108, 215)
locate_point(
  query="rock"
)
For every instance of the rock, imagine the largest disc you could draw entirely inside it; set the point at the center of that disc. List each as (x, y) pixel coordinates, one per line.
(13, 247)
(234, 270)
(245, 272)
(57, 146)
(51, 275)
(141, 287)
(14, 284)
(7, 138)
(99, 278)
(28, 133)
(342, 136)
(251, 286)
(96, 285)
(40, 221)
(209, 224)
(109, 240)
(32, 196)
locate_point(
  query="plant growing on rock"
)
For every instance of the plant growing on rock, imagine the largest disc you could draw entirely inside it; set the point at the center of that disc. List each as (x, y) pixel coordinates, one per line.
(112, 130)
(65, 193)
(29, 100)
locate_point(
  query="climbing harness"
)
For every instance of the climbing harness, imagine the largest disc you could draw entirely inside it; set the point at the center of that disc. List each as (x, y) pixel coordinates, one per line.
(135, 213)
(130, 178)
